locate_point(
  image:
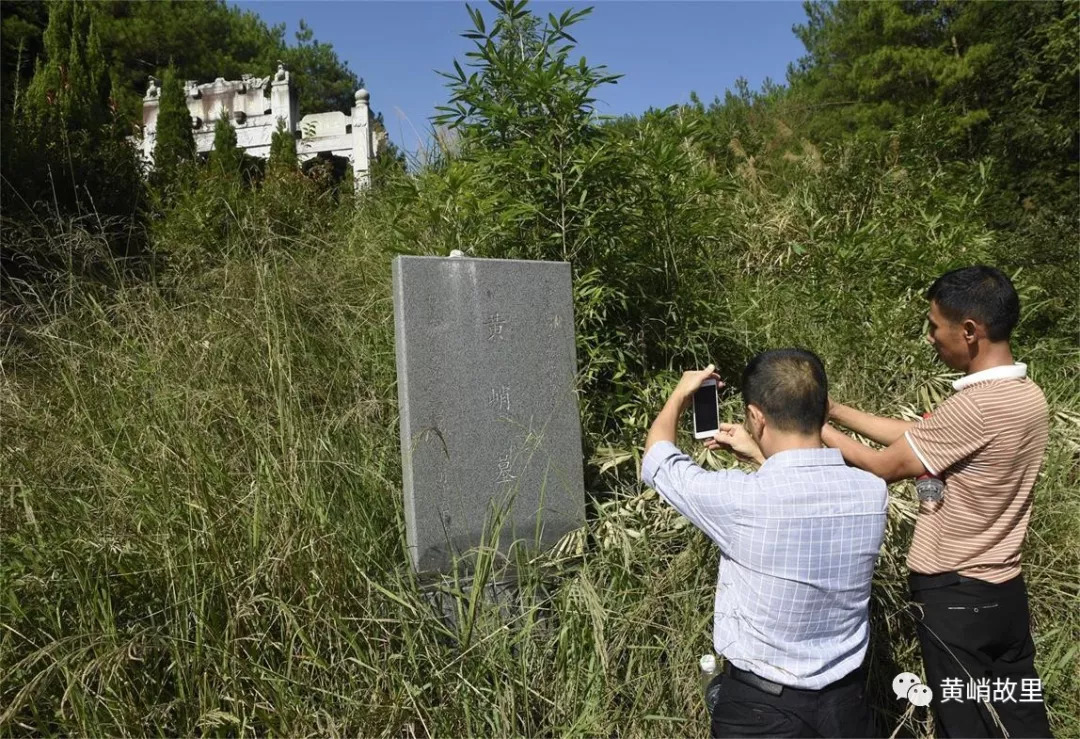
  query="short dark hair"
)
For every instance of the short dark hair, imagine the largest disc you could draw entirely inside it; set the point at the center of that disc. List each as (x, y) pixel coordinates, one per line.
(981, 293)
(790, 388)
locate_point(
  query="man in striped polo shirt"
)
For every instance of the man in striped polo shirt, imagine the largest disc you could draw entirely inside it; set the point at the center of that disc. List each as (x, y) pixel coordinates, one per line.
(986, 443)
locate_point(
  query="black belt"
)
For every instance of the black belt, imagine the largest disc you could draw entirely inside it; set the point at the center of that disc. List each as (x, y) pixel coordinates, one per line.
(754, 681)
(768, 686)
(918, 581)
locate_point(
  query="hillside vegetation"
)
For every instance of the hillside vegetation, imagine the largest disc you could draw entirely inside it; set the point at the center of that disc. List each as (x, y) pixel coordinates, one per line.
(202, 524)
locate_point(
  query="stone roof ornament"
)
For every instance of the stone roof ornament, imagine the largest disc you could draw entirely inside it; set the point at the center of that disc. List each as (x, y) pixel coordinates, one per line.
(282, 72)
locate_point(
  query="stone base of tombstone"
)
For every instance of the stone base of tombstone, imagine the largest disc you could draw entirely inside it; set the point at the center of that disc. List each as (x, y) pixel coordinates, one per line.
(490, 429)
(448, 604)
(450, 599)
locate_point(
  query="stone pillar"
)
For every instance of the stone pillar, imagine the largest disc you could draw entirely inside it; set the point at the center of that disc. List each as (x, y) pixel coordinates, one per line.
(151, 103)
(361, 131)
(283, 102)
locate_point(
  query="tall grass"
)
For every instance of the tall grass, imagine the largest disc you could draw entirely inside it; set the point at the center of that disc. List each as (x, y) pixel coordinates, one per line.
(203, 533)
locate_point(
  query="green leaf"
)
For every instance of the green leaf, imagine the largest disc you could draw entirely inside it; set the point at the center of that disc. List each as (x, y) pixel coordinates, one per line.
(477, 19)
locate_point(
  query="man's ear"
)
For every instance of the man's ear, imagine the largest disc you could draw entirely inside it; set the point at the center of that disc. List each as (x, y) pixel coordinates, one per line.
(972, 331)
(756, 418)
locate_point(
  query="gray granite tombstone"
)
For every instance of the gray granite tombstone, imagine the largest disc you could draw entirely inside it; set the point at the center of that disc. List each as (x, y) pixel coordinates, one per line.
(490, 431)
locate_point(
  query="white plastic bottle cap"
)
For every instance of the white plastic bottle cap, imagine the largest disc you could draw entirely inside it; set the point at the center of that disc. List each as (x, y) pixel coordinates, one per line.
(708, 662)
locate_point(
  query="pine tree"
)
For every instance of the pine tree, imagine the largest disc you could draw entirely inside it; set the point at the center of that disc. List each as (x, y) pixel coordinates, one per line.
(282, 149)
(175, 145)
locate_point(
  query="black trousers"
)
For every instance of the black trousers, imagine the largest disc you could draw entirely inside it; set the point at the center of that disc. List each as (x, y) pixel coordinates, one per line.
(972, 630)
(837, 710)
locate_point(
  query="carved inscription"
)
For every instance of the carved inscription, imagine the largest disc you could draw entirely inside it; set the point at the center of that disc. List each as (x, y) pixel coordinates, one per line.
(495, 324)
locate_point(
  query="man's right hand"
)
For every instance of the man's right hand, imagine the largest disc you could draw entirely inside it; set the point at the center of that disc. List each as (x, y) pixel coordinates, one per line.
(736, 438)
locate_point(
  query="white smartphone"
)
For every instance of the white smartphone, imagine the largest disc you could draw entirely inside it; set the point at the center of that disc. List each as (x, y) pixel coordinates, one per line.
(706, 410)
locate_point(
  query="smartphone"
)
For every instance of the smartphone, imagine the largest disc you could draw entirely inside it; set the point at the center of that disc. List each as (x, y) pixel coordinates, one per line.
(706, 410)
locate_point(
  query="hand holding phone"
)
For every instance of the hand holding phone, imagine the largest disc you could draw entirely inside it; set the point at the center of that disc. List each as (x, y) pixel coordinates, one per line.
(735, 437)
(706, 410)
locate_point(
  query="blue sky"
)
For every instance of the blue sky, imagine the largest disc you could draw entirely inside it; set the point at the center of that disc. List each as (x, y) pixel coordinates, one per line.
(665, 50)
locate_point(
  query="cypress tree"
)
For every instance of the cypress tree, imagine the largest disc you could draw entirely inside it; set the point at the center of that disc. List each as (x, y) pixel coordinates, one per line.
(226, 156)
(67, 150)
(65, 121)
(46, 91)
(282, 149)
(71, 89)
(99, 77)
(175, 145)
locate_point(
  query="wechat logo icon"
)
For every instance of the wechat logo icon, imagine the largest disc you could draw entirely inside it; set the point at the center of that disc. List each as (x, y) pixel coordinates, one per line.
(908, 685)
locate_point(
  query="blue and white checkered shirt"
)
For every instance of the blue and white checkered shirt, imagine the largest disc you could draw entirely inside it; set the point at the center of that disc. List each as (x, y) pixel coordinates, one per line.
(798, 542)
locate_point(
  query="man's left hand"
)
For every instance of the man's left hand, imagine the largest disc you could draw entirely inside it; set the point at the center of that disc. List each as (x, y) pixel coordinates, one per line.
(664, 427)
(691, 381)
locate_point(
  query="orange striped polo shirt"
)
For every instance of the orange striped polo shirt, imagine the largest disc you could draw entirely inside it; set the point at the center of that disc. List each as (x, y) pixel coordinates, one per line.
(987, 443)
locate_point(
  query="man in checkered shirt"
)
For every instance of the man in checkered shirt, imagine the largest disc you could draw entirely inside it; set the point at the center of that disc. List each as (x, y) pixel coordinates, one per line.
(798, 542)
